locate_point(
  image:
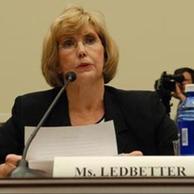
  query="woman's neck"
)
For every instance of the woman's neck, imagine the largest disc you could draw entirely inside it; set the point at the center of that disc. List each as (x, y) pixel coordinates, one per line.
(86, 102)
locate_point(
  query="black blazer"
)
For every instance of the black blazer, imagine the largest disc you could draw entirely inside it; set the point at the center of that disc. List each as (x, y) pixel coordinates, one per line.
(140, 120)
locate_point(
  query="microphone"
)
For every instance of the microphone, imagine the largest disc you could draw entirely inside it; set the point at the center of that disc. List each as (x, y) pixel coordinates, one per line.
(22, 170)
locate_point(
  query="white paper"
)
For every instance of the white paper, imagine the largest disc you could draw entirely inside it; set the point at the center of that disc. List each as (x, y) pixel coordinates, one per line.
(90, 140)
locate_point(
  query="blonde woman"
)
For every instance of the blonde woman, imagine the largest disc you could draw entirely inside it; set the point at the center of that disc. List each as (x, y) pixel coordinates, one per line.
(79, 41)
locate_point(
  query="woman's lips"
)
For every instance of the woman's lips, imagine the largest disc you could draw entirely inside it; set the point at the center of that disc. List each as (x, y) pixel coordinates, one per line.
(83, 65)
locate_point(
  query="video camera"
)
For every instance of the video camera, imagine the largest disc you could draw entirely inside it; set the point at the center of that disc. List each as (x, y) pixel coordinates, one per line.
(168, 81)
(165, 85)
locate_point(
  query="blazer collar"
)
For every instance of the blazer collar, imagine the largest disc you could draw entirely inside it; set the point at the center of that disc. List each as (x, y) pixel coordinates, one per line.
(113, 109)
(60, 114)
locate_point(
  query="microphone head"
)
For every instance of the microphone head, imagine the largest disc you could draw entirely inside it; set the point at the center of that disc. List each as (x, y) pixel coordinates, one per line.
(70, 76)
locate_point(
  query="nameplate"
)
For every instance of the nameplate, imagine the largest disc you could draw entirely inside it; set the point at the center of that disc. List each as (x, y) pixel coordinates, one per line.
(123, 166)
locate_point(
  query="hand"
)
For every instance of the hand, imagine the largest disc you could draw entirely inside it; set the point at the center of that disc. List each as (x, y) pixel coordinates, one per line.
(10, 164)
(178, 92)
(134, 153)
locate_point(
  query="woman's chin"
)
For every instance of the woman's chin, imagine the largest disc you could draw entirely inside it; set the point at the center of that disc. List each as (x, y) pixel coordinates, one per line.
(88, 75)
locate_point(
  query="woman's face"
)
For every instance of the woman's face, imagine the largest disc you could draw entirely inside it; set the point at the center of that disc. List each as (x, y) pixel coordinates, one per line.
(82, 53)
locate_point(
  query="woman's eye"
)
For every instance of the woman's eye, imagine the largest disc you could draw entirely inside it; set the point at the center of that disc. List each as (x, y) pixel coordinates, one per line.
(90, 39)
(68, 43)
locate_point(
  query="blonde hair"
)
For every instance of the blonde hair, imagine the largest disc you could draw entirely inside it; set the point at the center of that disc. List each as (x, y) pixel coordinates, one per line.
(71, 20)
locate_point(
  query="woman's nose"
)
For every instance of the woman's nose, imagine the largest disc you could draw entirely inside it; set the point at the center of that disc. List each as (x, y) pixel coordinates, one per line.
(81, 49)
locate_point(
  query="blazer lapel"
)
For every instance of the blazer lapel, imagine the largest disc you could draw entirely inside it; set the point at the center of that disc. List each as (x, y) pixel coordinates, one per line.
(59, 115)
(126, 139)
(113, 112)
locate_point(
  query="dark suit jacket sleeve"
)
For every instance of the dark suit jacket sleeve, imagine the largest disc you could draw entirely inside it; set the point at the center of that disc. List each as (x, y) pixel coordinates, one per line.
(28, 109)
(156, 127)
(166, 131)
(148, 122)
(12, 133)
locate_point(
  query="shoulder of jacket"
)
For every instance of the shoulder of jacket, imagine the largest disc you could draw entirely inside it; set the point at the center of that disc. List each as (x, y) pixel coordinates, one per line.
(36, 99)
(131, 94)
(39, 94)
(136, 100)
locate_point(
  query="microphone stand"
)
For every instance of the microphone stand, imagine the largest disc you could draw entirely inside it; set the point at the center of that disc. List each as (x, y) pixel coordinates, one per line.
(22, 170)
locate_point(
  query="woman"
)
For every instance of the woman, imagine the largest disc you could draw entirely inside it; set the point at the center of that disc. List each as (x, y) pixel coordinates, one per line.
(78, 41)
